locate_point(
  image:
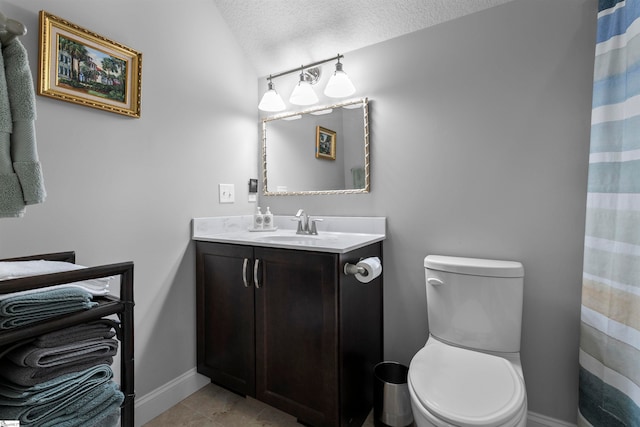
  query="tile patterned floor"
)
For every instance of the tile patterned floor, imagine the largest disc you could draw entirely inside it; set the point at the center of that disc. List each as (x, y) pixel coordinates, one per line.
(214, 406)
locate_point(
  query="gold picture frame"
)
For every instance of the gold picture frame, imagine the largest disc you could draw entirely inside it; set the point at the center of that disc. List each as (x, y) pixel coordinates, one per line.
(325, 143)
(82, 67)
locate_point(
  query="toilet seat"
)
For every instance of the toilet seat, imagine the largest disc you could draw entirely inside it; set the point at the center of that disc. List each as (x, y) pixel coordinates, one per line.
(466, 388)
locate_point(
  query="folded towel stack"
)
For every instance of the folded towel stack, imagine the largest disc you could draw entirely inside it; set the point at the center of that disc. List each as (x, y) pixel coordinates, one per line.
(22, 310)
(61, 352)
(12, 394)
(29, 376)
(62, 378)
(79, 352)
(25, 307)
(86, 398)
(102, 328)
(16, 269)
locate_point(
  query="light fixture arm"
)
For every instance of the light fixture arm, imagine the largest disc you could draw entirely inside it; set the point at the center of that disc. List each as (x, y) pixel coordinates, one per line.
(303, 67)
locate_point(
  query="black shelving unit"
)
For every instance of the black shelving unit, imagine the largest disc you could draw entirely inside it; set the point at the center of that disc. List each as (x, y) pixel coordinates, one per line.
(107, 306)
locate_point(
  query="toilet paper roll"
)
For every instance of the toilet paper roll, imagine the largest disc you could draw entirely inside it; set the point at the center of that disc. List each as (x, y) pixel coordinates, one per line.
(373, 268)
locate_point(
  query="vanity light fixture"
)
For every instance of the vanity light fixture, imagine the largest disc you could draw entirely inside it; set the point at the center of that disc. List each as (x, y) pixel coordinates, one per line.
(271, 100)
(303, 93)
(339, 86)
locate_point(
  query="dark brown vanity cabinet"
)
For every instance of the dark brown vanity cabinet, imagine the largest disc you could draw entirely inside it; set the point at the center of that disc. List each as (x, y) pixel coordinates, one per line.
(225, 315)
(289, 328)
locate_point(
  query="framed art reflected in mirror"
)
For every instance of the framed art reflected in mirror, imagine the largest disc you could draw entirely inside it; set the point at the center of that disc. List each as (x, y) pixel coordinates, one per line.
(325, 143)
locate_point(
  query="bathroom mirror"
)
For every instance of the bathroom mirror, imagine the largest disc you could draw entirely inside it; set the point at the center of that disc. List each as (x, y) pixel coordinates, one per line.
(324, 150)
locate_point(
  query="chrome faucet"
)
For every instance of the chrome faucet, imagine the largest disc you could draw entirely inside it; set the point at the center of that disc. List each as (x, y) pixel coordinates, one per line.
(303, 222)
(306, 225)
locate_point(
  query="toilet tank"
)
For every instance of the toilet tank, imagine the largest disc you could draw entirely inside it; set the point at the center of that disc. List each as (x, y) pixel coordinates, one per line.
(475, 303)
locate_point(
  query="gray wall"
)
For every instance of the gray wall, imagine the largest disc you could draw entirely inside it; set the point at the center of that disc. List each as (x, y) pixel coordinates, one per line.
(126, 189)
(480, 137)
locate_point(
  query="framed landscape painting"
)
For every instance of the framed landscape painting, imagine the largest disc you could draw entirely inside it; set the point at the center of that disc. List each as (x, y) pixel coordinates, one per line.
(82, 67)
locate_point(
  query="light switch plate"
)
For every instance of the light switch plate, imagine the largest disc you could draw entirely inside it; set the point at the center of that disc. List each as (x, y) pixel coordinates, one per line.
(227, 193)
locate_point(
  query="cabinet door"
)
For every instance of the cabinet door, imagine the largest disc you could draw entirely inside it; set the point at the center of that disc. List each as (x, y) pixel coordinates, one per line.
(225, 315)
(297, 334)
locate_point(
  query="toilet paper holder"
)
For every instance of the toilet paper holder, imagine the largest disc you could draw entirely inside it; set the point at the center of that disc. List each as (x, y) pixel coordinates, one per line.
(365, 270)
(354, 269)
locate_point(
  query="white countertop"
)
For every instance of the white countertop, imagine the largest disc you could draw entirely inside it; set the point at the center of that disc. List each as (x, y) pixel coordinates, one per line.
(335, 234)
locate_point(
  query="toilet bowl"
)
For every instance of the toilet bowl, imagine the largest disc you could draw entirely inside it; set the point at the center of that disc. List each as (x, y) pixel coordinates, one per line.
(468, 374)
(452, 386)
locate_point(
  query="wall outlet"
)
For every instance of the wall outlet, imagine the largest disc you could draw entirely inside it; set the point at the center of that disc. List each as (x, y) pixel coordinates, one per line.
(227, 193)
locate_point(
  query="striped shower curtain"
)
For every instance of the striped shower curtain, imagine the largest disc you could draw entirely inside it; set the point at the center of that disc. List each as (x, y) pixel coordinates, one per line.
(609, 389)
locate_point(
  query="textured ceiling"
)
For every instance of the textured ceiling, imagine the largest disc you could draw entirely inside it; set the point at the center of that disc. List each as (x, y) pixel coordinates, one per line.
(278, 35)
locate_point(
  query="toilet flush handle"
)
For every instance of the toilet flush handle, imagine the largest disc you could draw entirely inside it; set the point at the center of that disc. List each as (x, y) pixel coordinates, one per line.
(433, 281)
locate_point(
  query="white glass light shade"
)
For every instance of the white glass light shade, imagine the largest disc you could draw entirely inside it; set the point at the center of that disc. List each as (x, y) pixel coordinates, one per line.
(339, 85)
(303, 94)
(271, 100)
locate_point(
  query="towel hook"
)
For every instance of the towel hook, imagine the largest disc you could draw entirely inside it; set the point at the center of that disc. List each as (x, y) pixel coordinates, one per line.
(10, 28)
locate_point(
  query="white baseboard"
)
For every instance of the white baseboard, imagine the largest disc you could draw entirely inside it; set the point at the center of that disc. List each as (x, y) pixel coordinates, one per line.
(539, 420)
(164, 397)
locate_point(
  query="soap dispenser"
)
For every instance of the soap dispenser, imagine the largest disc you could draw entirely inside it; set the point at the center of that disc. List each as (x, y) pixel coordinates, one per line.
(267, 221)
(258, 219)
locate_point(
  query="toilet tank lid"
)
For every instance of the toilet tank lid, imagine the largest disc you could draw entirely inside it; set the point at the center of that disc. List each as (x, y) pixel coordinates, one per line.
(474, 266)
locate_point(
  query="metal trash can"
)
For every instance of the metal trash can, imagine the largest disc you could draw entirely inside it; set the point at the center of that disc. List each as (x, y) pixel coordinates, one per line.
(391, 400)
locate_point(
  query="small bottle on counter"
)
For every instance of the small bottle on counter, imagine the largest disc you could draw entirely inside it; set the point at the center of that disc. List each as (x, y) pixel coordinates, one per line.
(267, 221)
(258, 219)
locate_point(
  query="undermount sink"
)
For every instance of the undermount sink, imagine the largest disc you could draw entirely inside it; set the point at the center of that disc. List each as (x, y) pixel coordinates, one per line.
(298, 238)
(322, 241)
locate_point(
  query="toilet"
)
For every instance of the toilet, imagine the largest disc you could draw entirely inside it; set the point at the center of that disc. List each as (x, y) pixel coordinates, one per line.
(469, 372)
